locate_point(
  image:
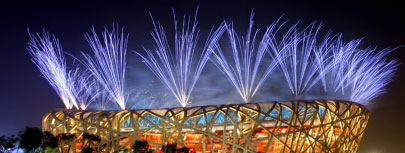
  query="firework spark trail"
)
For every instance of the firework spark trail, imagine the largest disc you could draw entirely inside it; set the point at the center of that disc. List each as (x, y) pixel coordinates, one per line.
(144, 99)
(48, 56)
(109, 63)
(85, 88)
(341, 52)
(178, 72)
(323, 58)
(306, 62)
(365, 72)
(102, 100)
(248, 58)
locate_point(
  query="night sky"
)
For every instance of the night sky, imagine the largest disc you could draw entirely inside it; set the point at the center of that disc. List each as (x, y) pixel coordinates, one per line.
(25, 96)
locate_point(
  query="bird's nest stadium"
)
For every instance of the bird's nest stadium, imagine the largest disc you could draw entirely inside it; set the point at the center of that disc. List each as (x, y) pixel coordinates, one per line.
(289, 126)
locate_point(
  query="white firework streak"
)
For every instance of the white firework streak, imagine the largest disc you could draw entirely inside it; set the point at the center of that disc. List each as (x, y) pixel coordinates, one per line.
(142, 97)
(366, 74)
(102, 99)
(247, 59)
(48, 56)
(305, 62)
(85, 88)
(322, 57)
(109, 63)
(177, 71)
(341, 53)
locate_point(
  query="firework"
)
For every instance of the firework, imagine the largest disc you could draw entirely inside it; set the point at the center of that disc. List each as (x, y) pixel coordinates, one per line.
(102, 100)
(338, 66)
(109, 62)
(244, 72)
(362, 74)
(48, 56)
(143, 99)
(178, 72)
(304, 58)
(85, 88)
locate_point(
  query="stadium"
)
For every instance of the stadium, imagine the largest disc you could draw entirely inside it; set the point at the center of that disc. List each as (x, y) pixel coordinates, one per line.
(291, 126)
(328, 83)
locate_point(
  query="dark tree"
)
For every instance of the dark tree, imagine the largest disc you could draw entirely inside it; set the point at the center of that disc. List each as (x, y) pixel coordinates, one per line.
(141, 146)
(49, 141)
(89, 139)
(87, 150)
(183, 150)
(169, 148)
(65, 140)
(8, 142)
(30, 138)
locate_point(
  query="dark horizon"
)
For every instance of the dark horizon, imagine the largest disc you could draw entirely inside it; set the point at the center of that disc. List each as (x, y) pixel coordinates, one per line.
(26, 96)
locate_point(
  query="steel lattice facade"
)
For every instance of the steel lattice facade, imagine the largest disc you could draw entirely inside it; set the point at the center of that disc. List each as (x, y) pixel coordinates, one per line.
(292, 126)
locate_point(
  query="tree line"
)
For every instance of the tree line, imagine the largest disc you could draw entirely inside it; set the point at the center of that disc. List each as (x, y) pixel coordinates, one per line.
(33, 140)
